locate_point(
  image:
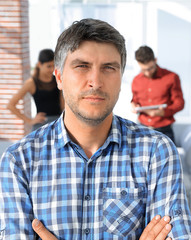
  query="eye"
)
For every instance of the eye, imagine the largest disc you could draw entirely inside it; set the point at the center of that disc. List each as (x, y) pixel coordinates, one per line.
(109, 68)
(82, 66)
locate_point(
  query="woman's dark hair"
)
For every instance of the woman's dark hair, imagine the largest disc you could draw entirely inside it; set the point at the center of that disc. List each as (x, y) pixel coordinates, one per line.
(45, 55)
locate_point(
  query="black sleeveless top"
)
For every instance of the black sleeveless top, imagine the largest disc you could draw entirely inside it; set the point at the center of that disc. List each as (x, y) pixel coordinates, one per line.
(47, 97)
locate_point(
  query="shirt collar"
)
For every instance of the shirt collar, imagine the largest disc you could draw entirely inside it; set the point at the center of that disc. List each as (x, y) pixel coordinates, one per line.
(115, 131)
(158, 73)
(62, 137)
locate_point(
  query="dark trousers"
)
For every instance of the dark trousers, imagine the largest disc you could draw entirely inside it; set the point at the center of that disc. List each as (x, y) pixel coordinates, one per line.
(167, 130)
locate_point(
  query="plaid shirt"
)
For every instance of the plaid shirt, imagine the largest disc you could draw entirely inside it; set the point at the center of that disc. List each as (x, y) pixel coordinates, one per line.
(135, 175)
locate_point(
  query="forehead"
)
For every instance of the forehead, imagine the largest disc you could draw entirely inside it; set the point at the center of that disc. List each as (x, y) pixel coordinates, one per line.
(148, 64)
(96, 50)
(50, 63)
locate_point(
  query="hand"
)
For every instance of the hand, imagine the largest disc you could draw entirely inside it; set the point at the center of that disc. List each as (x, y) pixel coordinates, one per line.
(43, 233)
(157, 229)
(39, 118)
(159, 112)
(133, 106)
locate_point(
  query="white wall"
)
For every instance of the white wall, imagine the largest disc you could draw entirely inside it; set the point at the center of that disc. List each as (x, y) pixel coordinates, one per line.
(44, 26)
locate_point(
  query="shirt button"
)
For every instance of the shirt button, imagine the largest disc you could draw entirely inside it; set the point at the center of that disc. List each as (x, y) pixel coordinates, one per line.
(87, 197)
(123, 193)
(87, 231)
(150, 100)
(149, 90)
(178, 212)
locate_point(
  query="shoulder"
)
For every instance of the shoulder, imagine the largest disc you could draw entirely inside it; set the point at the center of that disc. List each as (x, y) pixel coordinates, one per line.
(27, 87)
(132, 129)
(137, 133)
(138, 79)
(30, 85)
(167, 72)
(30, 146)
(144, 142)
(29, 81)
(138, 76)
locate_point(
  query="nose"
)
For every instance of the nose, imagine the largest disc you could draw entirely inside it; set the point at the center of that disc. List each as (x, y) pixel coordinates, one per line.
(95, 79)
(52, 69)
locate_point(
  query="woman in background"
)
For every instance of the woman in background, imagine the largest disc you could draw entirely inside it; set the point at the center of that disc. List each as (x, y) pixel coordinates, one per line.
(43, 88)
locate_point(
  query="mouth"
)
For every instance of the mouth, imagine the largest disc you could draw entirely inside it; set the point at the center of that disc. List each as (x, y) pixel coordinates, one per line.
(95, 99)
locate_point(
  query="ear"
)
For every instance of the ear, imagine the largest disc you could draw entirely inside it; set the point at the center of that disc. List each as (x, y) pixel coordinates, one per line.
(38, 64)
(58, 78)
(156, 60)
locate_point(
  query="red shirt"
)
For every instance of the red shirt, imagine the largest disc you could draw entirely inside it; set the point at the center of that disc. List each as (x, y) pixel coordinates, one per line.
(164, 87)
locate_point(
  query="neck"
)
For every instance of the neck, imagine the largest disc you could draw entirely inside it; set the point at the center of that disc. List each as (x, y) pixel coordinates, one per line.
(45, 78)
(90, 138)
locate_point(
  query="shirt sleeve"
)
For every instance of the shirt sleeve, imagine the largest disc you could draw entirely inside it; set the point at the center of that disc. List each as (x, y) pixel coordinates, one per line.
(177, 100)
(166, 193)
(16, 206)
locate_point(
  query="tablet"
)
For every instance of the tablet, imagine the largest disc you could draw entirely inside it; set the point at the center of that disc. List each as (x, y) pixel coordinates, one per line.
(138, 109)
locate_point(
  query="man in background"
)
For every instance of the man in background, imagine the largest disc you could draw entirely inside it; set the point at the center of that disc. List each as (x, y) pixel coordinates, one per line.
(156, 86)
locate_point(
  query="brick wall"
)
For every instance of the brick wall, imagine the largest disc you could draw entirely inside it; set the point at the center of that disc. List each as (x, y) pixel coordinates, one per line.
(14, 65)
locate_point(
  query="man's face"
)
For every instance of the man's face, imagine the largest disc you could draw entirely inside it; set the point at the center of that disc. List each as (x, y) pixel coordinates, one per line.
(91, 81)
(148, 69)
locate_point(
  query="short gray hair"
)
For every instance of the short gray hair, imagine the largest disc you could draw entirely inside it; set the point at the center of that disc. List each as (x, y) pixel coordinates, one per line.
(88, 30)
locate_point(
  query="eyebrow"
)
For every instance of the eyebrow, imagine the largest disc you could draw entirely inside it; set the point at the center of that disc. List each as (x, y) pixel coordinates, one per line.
(114, 64)
(81, 61)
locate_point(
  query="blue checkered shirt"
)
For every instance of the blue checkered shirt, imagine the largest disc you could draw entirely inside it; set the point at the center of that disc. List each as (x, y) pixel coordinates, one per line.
(134, 176)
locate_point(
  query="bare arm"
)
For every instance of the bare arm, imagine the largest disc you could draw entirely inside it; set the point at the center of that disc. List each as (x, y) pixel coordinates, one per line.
(28, 87)
(157, 229)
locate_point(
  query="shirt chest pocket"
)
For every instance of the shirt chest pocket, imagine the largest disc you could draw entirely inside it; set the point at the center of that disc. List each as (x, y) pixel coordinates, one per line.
(123, 211)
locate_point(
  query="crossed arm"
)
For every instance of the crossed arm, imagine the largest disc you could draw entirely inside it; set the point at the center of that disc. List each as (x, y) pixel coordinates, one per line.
(157, 229)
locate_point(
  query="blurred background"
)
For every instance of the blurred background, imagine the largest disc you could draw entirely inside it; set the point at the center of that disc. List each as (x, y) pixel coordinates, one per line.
(27, 26)
(163, 25)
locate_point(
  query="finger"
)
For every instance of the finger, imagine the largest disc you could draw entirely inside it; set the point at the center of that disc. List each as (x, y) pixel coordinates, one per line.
(161, 225)
(162, 228)
(165, 231)
(41, 114)
(150, 226)
(42, 119)
(43, 233)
